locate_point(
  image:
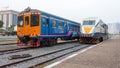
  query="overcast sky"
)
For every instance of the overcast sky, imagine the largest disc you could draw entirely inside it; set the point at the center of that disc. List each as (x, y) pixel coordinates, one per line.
(76, 10)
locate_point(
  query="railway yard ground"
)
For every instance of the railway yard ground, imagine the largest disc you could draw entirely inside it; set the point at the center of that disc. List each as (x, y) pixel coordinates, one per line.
(6, 45)
(69, 54)
(103, 55)
(5, 42)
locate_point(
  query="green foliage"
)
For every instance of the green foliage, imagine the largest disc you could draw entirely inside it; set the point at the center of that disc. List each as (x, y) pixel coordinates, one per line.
(11, 28)
(1, 24)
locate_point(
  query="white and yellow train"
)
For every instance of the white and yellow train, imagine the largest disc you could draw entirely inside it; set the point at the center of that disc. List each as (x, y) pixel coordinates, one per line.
(93, 30)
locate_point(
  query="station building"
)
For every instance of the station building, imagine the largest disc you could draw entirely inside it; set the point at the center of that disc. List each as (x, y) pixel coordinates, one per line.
(9, 17)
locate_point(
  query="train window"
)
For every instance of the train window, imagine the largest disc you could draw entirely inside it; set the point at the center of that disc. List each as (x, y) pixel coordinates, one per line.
(27, 20)
(71, 27)
(78, 28)
(89, 22)
(45, 21)
(20, 21)
(60, 24)
(75, 28)
(65, 25)
(53, 23)
(34, 20)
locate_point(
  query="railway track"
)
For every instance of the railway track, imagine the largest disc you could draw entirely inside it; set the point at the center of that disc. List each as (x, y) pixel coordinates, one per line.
(12, 51)
(43, 58)
(8, 42)
(8, 51)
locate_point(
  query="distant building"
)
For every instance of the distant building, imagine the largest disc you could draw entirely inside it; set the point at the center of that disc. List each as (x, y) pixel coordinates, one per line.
(114, 28)
(9, 17)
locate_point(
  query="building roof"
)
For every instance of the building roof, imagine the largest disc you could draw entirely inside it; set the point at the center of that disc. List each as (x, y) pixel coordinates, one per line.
(9, 11)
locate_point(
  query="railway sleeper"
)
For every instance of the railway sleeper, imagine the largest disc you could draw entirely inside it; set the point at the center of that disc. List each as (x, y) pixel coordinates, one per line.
(19, 56)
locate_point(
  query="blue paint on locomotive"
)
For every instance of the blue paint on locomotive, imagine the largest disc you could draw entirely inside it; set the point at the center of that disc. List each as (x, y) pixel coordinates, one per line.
(56, 27)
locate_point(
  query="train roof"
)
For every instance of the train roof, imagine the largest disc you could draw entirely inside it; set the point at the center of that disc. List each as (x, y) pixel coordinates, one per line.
(92, 18)
(97, 19)
(31, 10)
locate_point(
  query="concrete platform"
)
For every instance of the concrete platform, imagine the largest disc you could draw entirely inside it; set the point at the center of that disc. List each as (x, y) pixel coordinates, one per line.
(104, 55)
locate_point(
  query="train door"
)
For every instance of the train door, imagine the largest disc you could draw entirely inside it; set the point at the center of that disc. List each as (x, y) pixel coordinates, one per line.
(45, 26)
(26, 24)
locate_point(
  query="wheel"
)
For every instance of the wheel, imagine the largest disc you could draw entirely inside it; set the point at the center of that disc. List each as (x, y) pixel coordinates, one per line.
(49, 42)
(100, 39)
(55, 41)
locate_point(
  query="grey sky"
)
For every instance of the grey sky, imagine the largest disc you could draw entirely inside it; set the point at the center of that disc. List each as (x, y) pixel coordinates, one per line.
(107, 10)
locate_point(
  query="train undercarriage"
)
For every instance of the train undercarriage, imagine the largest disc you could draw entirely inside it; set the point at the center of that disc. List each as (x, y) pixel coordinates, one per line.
(91, 40)
(36, 42)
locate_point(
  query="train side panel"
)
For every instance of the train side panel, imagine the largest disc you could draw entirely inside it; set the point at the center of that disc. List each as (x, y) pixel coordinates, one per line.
(58, 26)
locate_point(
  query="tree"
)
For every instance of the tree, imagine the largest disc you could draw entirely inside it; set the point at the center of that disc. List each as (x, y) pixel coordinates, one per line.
(11, 28)
(1, 24)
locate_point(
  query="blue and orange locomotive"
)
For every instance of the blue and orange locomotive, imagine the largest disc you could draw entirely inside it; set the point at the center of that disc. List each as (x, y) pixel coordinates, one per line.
(37, 28)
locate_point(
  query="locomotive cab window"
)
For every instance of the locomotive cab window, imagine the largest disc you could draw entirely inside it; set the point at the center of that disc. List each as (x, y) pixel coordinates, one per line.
(89, 22)
(34, 20)
(26, 20)
(20, 21)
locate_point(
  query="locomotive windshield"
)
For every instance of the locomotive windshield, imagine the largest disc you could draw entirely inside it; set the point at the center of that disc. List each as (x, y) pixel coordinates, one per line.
(34, 20)
(20, 21)
(89, 22)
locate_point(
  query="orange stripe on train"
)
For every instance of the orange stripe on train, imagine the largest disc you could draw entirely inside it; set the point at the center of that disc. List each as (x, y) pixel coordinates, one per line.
(87, 29)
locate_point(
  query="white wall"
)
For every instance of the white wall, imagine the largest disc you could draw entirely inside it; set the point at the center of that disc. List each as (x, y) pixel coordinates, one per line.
(11, 21)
